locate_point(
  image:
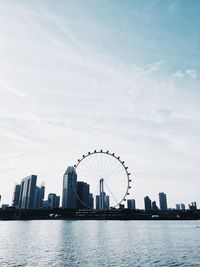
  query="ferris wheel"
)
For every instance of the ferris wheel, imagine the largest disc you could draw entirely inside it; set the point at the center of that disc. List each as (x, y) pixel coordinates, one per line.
(107, 176)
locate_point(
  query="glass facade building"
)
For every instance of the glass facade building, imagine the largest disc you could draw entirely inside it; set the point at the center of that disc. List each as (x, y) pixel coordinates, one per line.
(27, 192)
(163, 201)
(69, 188)
(16, 194)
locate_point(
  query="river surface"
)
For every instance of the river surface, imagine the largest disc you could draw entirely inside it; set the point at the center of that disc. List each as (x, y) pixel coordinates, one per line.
(99, 243)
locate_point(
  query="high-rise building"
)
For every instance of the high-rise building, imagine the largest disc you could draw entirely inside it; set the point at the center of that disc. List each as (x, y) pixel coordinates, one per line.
(97, 202)
(163, 201)
(45, 204)
(154, 206)
(69, 189)
(102, 200)
(193, 206)
(39, 197)
(16, 194)
(178, 206)
(91, 201)
(147, 203)
(107, 204)
(131, 204)
(182, 206)
(53, 201)
(57, 202)
(83, 195)
(27, 192)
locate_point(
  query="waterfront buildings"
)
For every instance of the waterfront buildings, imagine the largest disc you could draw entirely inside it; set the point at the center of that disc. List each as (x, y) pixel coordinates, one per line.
(27, 195)
(91, 201)
(102, 200)
(121, 206)
(4, 206)
(182, 206)
(163, 201)
(193, 206)
(53, 201)
(154, 206)
(147, 203)
(27, 192)
(84, 197)
(131, 204)
(97, 202)
(104, 203)
(39, 197)
(69, 199)
(16, 194)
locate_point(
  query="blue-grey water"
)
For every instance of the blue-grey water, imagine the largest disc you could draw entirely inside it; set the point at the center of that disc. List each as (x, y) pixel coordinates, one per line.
(99, 243)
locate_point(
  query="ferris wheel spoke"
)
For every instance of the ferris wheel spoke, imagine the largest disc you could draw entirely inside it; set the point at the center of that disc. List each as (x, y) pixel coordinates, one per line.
(90, 172)
(93, 164)
(98, 164)
(105, 162)
(111, 192)
(90, 166)
(112, 164)
(99, 161)
(113, 170)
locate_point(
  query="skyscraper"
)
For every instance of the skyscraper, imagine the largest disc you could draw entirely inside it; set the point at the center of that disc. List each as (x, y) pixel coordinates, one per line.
(16, 194)
(102, 200)
(147, 203)
(53, 201)
(131, 204)
(163, 201)
(97, 202)
(39, 197)
(193, 206)
(154, 206)
(27, 192)
(182, 206)
(91, 201)
(83, 193)
(69, 189)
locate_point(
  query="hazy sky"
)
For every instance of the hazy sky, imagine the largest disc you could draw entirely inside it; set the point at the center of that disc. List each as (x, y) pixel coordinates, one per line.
(118, 75)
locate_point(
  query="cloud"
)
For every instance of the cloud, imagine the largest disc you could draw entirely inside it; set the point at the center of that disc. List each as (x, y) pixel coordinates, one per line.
(179, 74)
(173, 6)
(149, 69)
(189, 73)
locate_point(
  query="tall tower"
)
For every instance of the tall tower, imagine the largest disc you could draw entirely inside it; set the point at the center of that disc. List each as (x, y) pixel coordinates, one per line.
(39, 196)
(83, 192)
(101, 195)
(163, 201)
(147, 203)
(27, 192)
(69, 189)
(102, 201)
(16, 194)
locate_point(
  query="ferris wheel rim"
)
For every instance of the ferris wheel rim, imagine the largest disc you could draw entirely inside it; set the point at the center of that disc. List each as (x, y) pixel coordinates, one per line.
(119, 160)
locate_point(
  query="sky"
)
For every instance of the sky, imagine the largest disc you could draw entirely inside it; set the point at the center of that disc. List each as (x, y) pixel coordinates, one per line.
(115, 75)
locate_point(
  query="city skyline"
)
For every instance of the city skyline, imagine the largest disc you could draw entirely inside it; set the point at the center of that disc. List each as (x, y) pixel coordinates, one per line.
(85, 75)
(76, 194)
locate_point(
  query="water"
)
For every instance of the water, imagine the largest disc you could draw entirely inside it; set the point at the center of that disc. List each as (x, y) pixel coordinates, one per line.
(99, 243)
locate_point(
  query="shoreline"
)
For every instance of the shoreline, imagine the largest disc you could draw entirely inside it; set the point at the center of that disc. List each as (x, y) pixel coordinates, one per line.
(12, 214)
